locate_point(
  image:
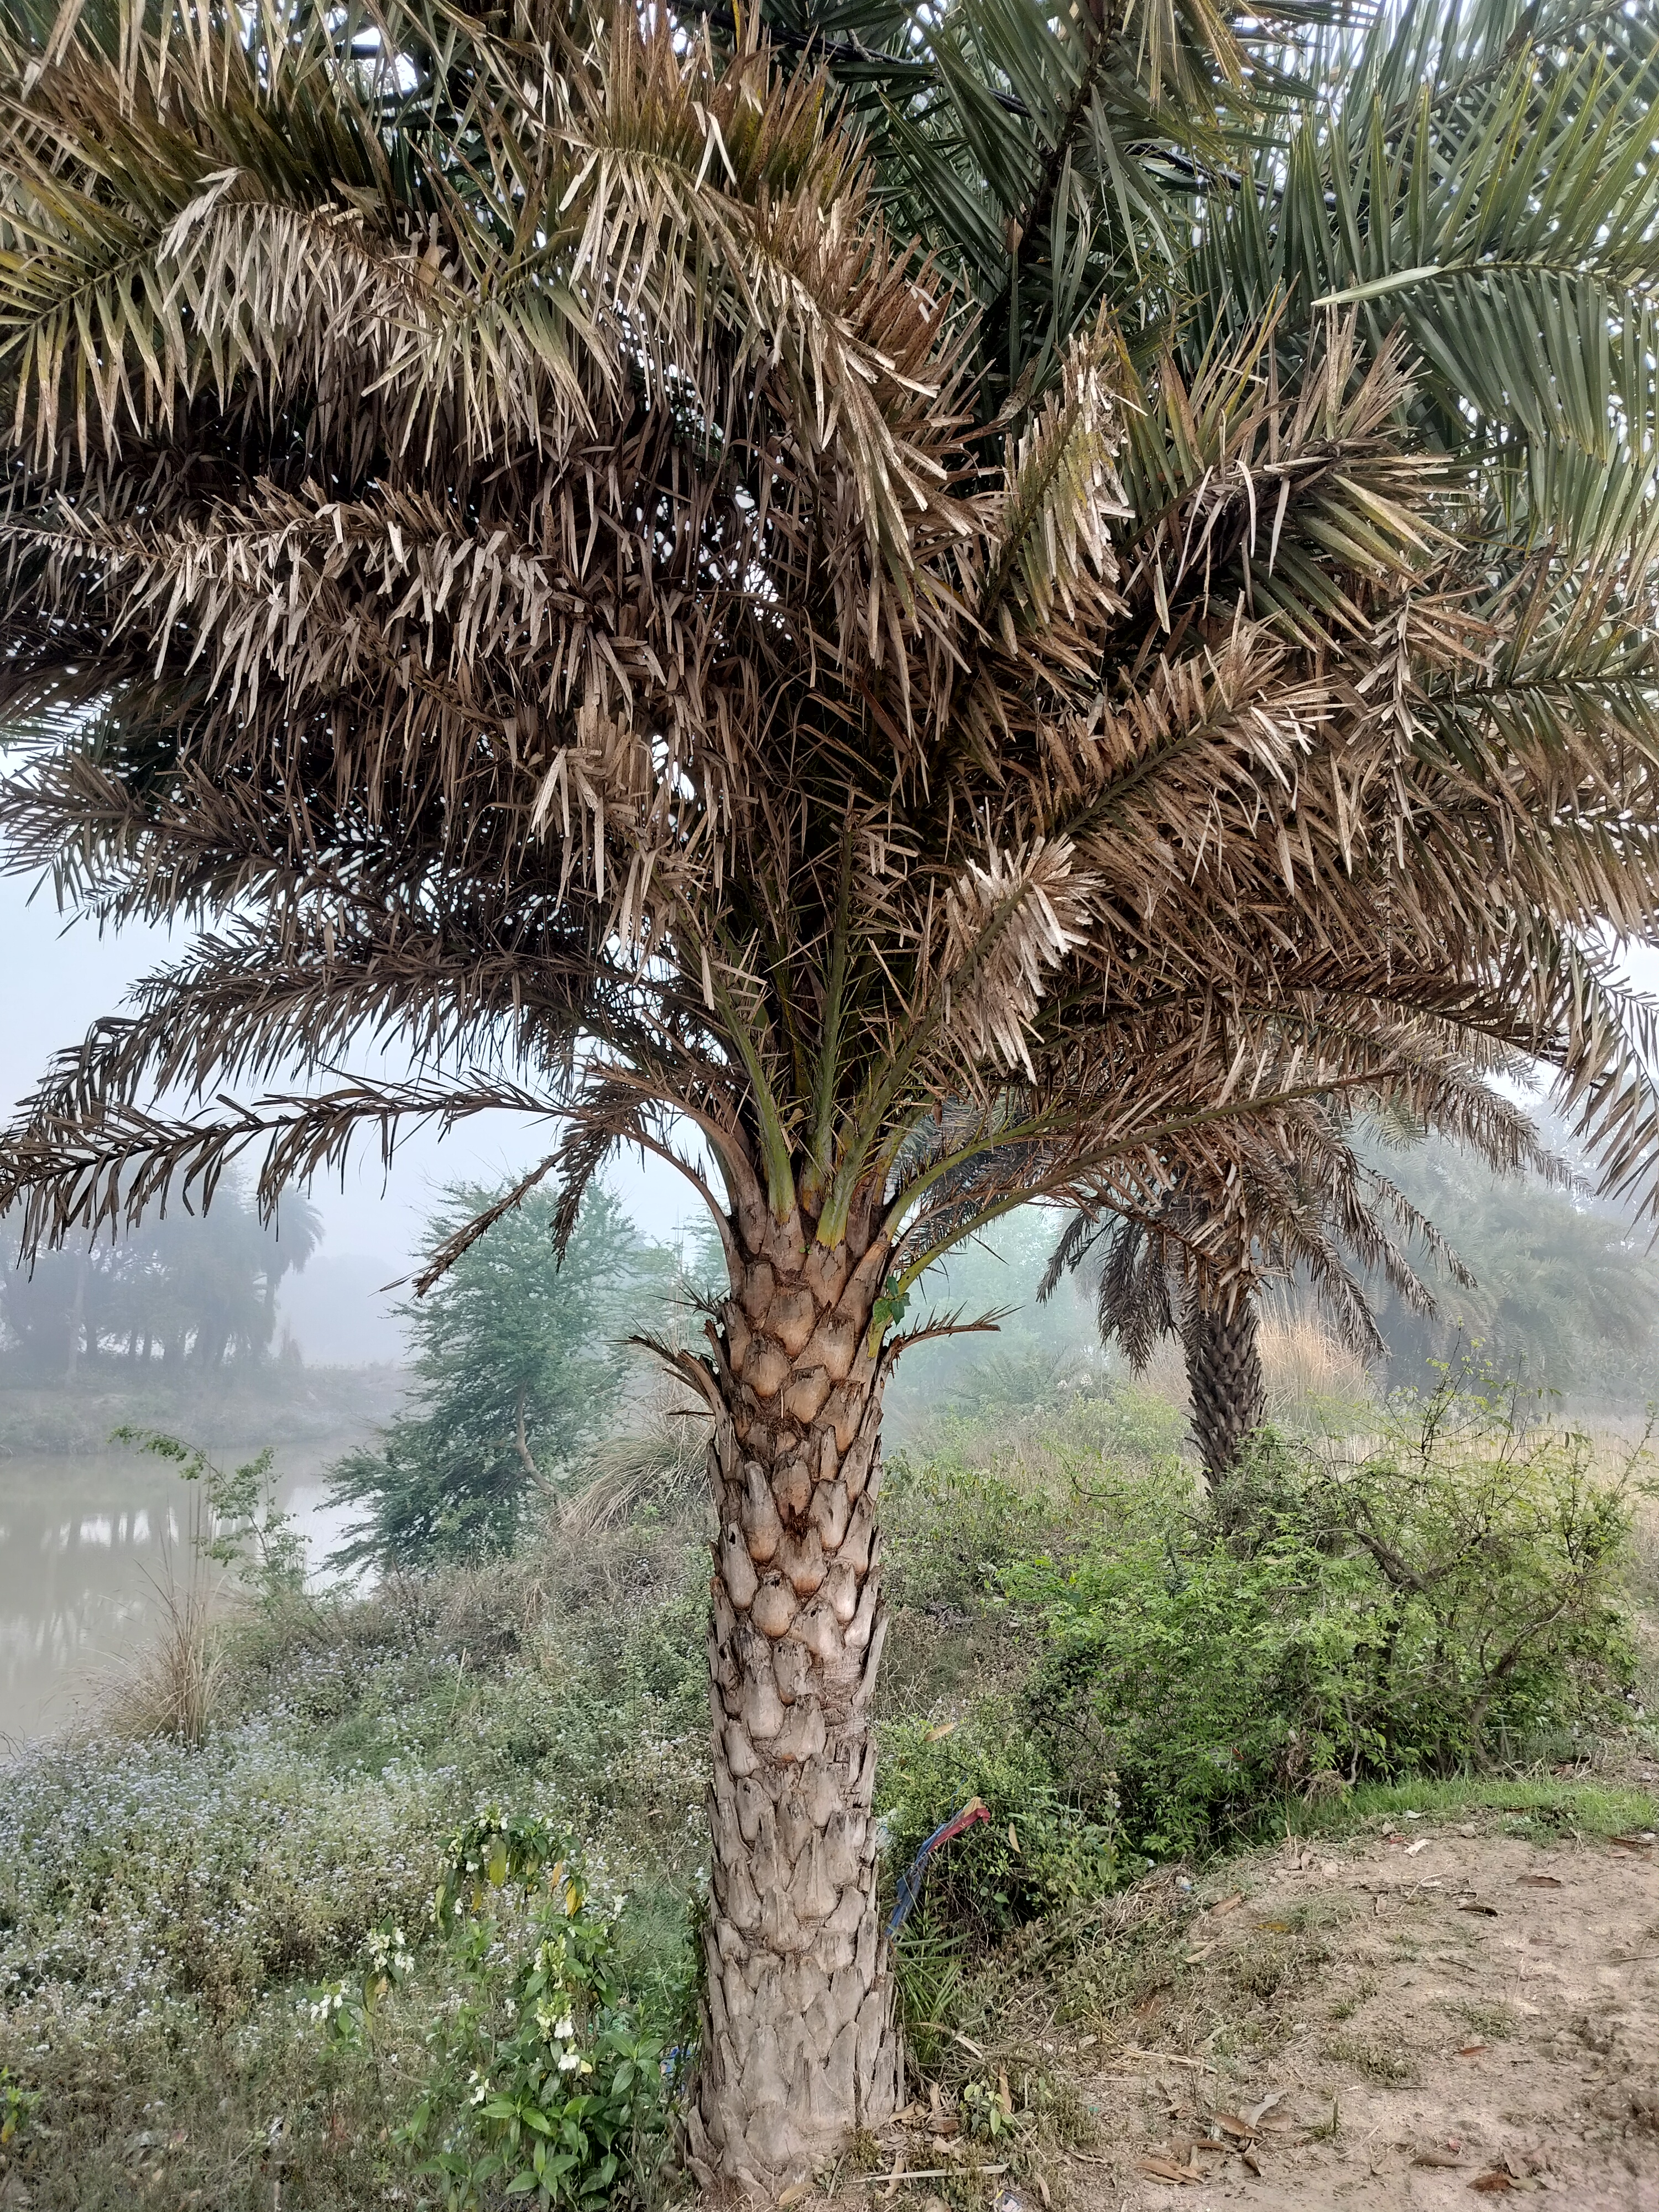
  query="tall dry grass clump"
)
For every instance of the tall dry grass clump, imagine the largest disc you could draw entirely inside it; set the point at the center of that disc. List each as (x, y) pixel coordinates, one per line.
(171, 1686)
(661, 1461)
(1306, 1366)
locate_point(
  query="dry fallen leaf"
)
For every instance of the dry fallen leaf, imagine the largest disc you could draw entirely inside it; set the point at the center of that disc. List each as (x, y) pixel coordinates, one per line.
(1421, 1844)
(1642, 1843)
(1165, 2169)
(1251, 2160)
(1475, 1905)
(938, 1734)
(1539, 1881)
(795, 2194)
(1197, 1957)
(1255, 2114)
(1230, 2124)
(1493, 2184)
(1013, 1840)
(1227, 1904)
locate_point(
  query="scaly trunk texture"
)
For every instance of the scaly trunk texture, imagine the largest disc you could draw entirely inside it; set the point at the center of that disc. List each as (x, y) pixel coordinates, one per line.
(799, 2039)
(1223, 1374)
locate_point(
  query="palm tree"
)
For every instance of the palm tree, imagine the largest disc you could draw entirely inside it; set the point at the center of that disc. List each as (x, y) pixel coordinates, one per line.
(500, 537)
(1319, 1212)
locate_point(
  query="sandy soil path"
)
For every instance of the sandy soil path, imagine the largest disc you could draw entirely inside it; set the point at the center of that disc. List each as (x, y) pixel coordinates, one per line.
(1409, 2021)
(1470, 2013)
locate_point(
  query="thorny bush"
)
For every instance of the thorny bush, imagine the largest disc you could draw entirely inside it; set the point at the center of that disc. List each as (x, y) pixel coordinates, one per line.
(1037, 1849)
(1452, 1601)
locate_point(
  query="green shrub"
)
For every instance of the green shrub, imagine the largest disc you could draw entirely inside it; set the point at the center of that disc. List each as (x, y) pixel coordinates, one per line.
(1038, 1849)
(1445, 1603)
(1498, 1553)
(17, 2107)
(551, 2079)
(953, 1527)
(1190, 1683)
(240, 1525)
(979, 1505)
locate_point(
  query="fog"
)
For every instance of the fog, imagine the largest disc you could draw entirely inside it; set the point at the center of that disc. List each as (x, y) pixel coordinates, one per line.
(59, 979)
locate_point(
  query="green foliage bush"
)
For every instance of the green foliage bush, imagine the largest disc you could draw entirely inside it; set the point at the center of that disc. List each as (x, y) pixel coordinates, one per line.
(551, 2079)
(1188, 1682)
(241, 1527)
(1451, 1600)
(980, 1501)
(954, 1527)
(17, 2109)
(1038, 1850)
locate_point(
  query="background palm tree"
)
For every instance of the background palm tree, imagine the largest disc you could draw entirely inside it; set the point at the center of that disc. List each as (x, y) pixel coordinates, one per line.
(1318, 1213)
(501, 538)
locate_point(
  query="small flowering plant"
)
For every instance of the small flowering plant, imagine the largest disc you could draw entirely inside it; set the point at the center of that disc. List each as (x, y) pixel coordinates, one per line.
(550, 2088)
(17, 2106)
(345, 2009)
(493, 1851)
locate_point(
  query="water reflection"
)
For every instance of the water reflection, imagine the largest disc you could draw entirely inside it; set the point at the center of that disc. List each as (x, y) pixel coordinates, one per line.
(85, 1549)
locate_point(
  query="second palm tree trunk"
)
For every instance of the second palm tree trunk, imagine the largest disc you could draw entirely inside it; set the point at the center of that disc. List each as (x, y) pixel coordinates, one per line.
(1223, 1374)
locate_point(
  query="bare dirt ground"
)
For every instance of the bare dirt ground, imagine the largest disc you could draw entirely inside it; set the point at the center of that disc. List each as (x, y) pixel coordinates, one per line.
(1470, 2013)
(1406, 2020)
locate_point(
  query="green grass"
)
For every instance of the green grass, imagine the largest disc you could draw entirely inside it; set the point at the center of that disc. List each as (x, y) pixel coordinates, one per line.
(1588, 1808)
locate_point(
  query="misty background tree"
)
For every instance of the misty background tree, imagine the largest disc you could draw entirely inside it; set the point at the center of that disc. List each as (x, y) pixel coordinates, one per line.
(503, 538)
(191, 1292)
(1563, 1290)
(520, 1359)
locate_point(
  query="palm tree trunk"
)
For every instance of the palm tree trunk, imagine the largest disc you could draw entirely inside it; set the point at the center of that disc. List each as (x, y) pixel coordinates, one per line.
(1224, 1375)
(798, 2039)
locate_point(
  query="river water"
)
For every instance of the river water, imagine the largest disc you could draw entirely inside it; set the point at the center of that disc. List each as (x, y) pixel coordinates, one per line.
(86, 1546)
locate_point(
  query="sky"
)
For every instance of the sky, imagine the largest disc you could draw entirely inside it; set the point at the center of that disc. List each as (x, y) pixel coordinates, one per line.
(55, 982)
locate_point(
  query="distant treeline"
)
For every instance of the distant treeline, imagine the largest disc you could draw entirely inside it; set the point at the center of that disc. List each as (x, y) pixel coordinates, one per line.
(191, 1293)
